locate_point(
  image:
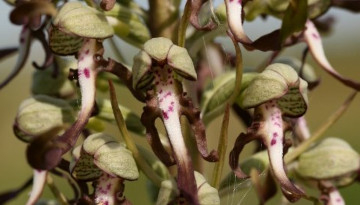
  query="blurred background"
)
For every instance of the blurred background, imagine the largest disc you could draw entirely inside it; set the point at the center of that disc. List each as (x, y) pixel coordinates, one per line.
(342, 47)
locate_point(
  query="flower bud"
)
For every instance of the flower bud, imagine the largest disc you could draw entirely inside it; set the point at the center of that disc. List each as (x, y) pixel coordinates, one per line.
(44, 83)
(331, 158)
(42, 115)
(128, 25)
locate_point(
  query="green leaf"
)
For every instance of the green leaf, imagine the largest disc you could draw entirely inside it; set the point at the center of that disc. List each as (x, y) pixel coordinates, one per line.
(294, 18)
(80, 20)
(218, 91)
(132, 120)
(62, 43)
(128, 25)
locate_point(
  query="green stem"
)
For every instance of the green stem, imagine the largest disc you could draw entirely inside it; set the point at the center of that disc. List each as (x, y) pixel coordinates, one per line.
(60, 196)
(239, 71)
(221, 149)
(291, 156)
(144, 166)
(184, 22)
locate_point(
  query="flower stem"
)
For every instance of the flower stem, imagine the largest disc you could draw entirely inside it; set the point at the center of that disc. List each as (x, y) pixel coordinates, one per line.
(221, 149)
(60, 196)
(184, 22)
(291, 156)
(144, 166)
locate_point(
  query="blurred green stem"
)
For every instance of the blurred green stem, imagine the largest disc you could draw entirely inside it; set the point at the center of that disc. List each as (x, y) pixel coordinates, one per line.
(184, 22)
(223, 140)
(60, 196)
(144, 166)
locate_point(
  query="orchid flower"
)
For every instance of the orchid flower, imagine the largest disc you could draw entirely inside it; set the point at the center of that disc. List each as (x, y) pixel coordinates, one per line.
(276, 92)
(90, 28)
(157, 69)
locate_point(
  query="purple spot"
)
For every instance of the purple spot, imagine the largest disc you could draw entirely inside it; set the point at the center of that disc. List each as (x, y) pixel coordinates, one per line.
(275, 134)
(160, 91)
(87, 51)
(106, 203)
(266, 107)
(171, 108)
(172, 103)
(168, 94)
(316, 36)
(165, 115)
(338, 200)
(157, 83)
(277, 124)
(108, 187)
(161, 99)
(170, 82)
(273, 142)
(22, 40)
(87, 73)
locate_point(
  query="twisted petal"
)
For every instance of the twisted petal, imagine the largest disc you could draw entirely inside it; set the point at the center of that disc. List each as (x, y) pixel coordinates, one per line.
(313, 39)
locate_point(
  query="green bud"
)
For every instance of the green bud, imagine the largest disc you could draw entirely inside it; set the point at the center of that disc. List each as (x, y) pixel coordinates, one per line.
(278, 82)
(128, 25)
(178, 58)
(42, 115)
(166, 193)
(111, 156)
(45, 84)
(331, 158)
(208, 195)
(158, 48)
(81, 20)
(163, 52)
